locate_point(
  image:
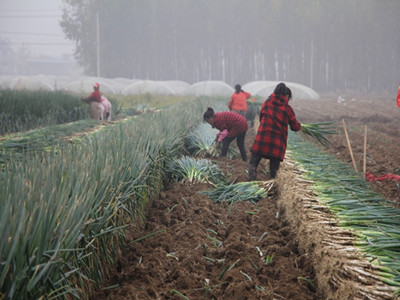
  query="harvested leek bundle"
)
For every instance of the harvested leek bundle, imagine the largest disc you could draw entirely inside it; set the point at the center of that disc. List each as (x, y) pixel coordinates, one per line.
(200, 139)
(201, 142)
(242, 191)
(195, 170)
(372, 218)
(319, 131)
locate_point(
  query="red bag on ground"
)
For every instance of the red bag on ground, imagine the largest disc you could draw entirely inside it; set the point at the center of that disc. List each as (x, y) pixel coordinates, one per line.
(370, 177)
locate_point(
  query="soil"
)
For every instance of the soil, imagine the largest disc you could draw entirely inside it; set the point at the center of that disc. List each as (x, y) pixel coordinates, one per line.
(280, 248)
(381, 116)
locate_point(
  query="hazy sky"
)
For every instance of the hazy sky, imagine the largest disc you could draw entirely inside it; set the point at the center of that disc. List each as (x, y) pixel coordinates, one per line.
(35, 24)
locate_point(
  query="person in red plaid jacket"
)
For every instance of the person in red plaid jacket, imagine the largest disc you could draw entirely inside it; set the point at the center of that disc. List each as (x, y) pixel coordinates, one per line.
(271, 139)
(235, 124)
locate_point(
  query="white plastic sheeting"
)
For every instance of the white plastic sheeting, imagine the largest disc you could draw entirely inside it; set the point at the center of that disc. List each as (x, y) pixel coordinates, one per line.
(177, 86)
(266, 88)
(85, 86)
(148, 86)
(209, 88)
(26, 83)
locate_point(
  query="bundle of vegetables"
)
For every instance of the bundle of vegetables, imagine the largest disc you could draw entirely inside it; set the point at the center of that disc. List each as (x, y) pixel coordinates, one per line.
(194, 170)
(242, 191)
(201, 142)
(319, 131)
(373, 219)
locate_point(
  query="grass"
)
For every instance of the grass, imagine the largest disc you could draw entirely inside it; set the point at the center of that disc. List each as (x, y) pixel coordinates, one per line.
(64, 213)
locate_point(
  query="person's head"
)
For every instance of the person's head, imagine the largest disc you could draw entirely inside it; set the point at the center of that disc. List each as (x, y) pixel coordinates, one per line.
(208, 116)
(96, 86)
(238, 88)
(280, 89)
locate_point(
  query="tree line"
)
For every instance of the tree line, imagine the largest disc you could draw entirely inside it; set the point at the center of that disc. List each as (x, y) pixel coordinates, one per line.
(328, 45)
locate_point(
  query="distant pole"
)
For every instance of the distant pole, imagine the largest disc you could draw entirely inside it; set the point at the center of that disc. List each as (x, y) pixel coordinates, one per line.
(365, 151)
(311, 64)
(98, 43)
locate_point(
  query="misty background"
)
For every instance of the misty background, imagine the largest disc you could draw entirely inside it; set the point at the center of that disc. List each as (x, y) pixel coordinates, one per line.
(328, 45)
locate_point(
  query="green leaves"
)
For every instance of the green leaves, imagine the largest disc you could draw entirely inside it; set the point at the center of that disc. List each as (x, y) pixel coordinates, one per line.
(357, 207)
(194, 170)
(63, 214)
(319, 131)
(242, 191)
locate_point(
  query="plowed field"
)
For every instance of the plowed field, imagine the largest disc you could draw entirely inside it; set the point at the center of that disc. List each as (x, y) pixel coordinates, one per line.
(277, 249)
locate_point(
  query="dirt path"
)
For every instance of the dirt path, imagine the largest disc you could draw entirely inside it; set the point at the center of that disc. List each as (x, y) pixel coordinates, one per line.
(196, 240)
(382, 118)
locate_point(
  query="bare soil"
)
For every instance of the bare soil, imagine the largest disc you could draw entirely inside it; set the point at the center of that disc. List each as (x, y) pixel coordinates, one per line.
(279, 248)
(381, 116)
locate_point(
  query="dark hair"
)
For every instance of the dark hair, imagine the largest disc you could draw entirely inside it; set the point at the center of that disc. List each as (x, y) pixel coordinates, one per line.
(208, 114)
(288, 93)
(281, 89)
(238, 88)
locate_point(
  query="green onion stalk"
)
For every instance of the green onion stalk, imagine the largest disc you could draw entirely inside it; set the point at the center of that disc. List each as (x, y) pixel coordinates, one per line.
(64, 212)
(373, 219)
(242, 191)
(194, 170)
(319, 131)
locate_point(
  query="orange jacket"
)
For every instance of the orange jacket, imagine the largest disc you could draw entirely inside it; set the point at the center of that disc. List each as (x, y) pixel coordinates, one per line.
(239, 101)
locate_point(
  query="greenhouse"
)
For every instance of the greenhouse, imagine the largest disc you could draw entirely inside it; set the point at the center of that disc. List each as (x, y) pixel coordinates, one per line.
(209, 88)
(266, 88)
(148, 86)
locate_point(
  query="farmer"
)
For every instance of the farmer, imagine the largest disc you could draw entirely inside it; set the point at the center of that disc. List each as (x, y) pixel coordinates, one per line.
(107, 108)
(238, 102)
(96, 108)
(252, 111)
(271, 139)
(231, 123)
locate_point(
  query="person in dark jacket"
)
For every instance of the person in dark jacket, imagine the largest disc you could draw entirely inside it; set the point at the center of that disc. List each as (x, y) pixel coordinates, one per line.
(270, 142)
(233, 123)
(252, 111)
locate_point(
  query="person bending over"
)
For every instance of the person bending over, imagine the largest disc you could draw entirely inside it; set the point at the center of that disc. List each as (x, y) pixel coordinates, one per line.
(233, 123)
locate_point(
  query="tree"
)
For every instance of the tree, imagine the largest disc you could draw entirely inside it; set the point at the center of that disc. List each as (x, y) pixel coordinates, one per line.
(331, 45)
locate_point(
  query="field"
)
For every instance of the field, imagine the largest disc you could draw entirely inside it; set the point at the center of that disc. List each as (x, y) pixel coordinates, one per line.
(382, 118)
(126, 230)
(280, 248)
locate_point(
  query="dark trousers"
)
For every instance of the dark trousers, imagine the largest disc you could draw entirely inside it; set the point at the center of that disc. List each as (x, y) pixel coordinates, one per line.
(240, 143)
(255, 161)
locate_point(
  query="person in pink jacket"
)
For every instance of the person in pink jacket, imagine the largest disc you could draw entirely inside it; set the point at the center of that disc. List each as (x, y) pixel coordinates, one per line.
(107, 108)
(238, 102)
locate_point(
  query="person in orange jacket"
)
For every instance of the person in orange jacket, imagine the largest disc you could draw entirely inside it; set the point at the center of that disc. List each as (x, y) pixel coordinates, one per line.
(238, 102)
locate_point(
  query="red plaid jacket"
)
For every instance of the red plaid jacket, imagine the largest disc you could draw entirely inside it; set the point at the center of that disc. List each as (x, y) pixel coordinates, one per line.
(233, 122)
(275, 116)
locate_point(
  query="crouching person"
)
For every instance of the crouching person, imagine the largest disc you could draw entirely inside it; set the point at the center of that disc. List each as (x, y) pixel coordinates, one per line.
(235, 126)
(96, 108)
